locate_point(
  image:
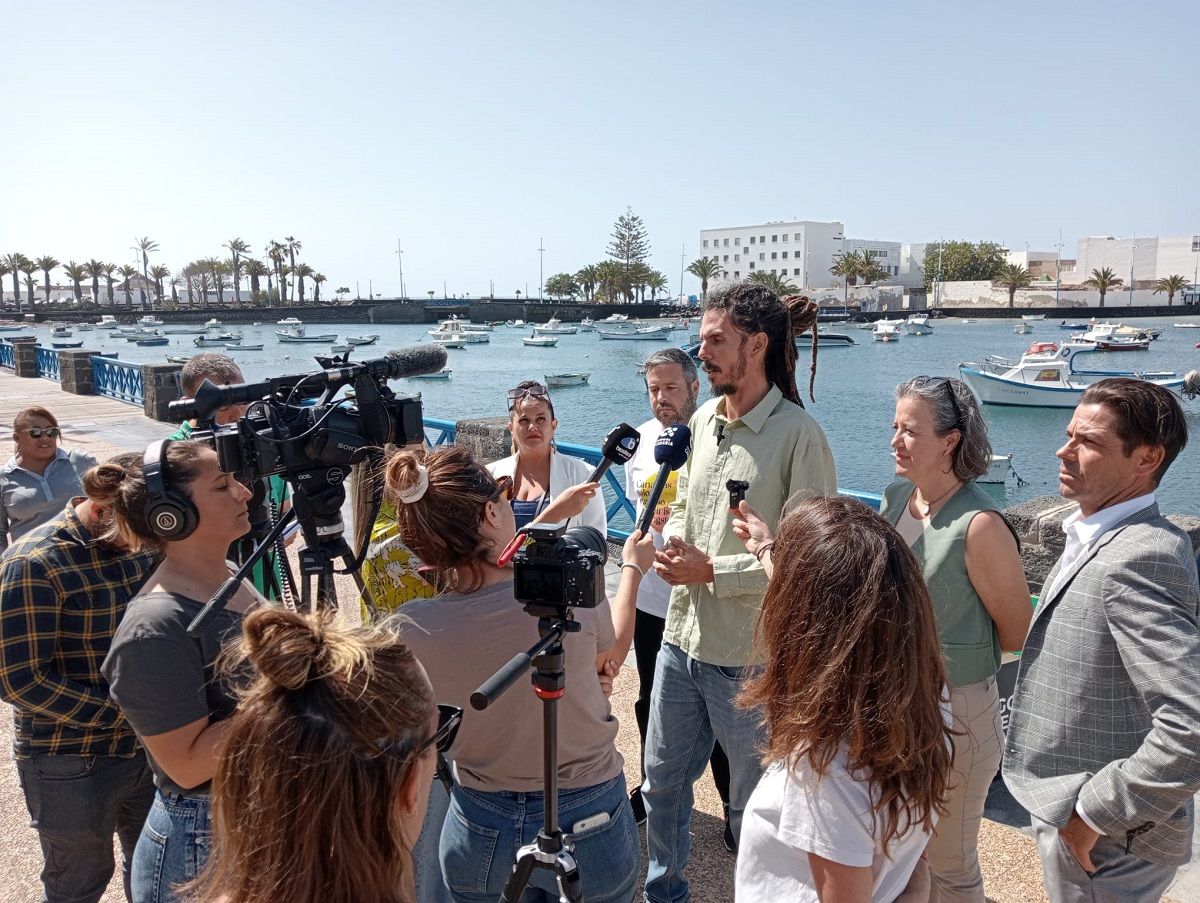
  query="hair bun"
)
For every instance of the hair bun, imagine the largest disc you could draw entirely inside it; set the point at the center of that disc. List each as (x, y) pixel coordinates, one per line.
(406, 477)
(286, 648)
(802, 313)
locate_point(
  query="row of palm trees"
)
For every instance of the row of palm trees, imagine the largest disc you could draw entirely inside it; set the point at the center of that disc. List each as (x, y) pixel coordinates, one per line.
(852, 266)
(1013, 276)
(609, 280)
(284, 277)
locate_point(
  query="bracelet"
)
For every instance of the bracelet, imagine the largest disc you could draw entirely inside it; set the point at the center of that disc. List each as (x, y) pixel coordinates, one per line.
(630, 564)
(763, 549)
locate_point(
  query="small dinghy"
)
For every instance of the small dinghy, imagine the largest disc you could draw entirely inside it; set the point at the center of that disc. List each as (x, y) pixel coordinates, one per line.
(558, 380)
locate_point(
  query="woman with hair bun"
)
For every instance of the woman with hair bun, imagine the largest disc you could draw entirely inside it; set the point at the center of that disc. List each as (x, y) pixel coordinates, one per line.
(164, 680)
(322, 786)
(453, 515)
(970, 559)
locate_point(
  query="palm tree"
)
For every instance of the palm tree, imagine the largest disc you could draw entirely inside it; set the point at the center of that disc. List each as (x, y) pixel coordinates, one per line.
(14, 262)
(705, 268)
(587, 279)
(46, 264)
(147, 246)
(28, 267)
(850, 265)
(128, 272)
(237, 247)
(293, 245)
(1012, 276)
(158, 273)
(255, 269)
(780, 285)
(1171, 285)
(176, 281)
(317, 279)
(1102, 281)
(5, 269)
(76, 272)
(109, 270)
(276, 252)
(871, 271)
(95, 269)
(301, 272)
(656, 283)
(216, 269)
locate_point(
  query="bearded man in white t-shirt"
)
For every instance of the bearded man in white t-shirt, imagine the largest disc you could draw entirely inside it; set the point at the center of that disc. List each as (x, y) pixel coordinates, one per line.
(673, 386)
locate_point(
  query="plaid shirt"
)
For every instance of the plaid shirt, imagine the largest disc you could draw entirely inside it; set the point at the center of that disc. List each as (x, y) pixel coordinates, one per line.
(62, 595)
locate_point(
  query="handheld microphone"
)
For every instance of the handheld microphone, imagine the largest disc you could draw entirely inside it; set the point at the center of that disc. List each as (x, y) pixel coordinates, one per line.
(670, 453)
(619, 446)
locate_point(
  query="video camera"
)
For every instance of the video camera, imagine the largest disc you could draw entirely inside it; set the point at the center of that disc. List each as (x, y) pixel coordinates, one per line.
(561, 568)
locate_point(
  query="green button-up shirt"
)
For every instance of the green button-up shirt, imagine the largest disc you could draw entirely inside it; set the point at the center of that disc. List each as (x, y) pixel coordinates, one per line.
(782, 452)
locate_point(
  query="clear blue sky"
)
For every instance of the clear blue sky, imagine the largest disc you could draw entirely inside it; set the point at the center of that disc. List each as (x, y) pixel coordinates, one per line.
(468, 130)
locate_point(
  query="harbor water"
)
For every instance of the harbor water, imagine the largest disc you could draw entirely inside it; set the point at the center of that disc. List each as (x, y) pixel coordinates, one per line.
(854, 386)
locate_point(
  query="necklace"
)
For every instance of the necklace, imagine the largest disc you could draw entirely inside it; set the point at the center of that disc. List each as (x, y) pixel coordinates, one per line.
(929, 505)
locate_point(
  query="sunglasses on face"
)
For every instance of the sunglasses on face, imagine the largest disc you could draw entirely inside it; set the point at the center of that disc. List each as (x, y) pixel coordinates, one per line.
(36, 432)
(449, 719)
(536, 390)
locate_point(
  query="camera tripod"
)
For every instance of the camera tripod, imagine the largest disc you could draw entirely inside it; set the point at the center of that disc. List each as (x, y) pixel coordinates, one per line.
(552, 850)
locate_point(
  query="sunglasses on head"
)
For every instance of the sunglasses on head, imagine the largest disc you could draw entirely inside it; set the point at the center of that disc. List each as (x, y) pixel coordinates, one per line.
(36, 432)
(534, 390)
(504, 486)
(935, 381)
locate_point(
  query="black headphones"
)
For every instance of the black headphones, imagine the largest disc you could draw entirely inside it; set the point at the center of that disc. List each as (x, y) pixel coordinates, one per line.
(168, 512)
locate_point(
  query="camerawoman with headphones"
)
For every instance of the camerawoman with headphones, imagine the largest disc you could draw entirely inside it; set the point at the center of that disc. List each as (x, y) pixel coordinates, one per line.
(179, 502)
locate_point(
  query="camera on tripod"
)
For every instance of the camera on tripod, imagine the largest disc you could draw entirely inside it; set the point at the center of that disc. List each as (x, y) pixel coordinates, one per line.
(561, 568)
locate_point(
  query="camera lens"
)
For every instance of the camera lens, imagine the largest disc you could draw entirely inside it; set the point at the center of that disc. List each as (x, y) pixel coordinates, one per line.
(588, 539)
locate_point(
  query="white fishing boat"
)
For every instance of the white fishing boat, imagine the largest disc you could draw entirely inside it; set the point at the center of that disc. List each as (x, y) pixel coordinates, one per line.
(84, 327)
(515, 324)
(1186, 325)
(1045, 377)
(918, 324)
(453, 329)
(233, 347)
(615, 318)
(1028, 317)
(450, 341)
(1023, 328)
(184, 331)
(11, 328)
(541, 341)
(339, 349)
(295, 333)
(216, 341)
(558, 380)
(151, 321)
(630, 332)
(555, 326)
(1115, 337)
(142, 334)
(966, 320)
(177, 358)
(107, 321)
(888, 330)
(444, 373)
(587, 324)
(61, 332)
(468, 326)
(362, 339)
(998, 470)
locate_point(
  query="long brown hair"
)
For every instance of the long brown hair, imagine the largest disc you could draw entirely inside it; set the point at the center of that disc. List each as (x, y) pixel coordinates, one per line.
(852, 659)
(442, 524)
(753, 307)
(321, 746)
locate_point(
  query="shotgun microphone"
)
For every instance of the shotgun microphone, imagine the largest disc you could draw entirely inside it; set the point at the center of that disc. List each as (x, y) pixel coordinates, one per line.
(670, 453)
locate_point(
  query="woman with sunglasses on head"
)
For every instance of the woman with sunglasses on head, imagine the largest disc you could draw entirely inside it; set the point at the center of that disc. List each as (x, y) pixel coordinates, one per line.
(40, 478)
(970, 559)
(179, 503)
(327, 763)
(539, 472)
(453, 515)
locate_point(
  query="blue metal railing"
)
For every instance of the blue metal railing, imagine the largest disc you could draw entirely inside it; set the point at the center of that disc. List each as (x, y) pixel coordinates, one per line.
(620, 508)
(6, 355)
(118, 380)
(47, 363)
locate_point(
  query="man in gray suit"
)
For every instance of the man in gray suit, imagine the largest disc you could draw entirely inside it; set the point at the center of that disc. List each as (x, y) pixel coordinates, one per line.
(1103, 746)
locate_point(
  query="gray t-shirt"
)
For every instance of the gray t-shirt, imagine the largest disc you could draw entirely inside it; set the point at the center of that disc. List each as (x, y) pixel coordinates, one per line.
(164, 679)
(462, 639)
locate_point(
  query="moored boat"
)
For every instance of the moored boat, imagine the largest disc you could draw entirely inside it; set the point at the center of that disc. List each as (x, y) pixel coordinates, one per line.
(61, 332)
(633, 332)
(587, 324)
(362, 339)
(107, 321)
(917, 324)
(887, 330)
(295, 333)
(1028, 317)
(153, 341)
(444, 373)
(555, 326)
(449, 341)
(234, 347)
(824, 340)
(78, 344)
(558, 380)
(541, 341)
(454, 329)
(1023, 328)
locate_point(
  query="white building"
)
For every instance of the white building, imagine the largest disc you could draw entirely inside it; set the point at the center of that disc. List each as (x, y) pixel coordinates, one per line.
(1149, 258)
(802, 250)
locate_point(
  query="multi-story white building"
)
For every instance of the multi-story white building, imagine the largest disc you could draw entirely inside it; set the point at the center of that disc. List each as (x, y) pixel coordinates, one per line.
(1149, 259)
(802, 250)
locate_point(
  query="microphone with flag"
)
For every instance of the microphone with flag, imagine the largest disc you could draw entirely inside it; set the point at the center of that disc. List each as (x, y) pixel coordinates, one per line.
(670, 453)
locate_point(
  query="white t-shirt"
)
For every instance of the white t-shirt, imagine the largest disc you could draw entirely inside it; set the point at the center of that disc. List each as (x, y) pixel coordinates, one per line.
(654, 593)
(793, 813)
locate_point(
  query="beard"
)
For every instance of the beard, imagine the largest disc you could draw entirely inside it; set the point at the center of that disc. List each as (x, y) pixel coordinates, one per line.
(667, 415)
(726, 382)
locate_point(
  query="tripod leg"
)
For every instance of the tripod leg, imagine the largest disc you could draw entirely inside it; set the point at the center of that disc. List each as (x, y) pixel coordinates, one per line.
(570, 887)
(518, 878)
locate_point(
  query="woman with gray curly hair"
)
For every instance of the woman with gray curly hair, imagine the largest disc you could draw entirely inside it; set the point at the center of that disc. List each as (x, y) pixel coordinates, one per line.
(970, 559)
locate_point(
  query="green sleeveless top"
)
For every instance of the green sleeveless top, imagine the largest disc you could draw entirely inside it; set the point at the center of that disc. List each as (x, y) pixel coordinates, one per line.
(968, 635)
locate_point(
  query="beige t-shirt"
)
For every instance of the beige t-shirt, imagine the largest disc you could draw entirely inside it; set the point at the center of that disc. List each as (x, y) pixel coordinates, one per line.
(463, 639)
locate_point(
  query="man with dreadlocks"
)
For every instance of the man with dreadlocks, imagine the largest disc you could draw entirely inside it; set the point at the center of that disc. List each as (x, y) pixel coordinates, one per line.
(756, 430)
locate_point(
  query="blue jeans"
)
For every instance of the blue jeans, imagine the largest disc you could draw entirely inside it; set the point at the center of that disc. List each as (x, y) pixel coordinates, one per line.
(173, 847)
(427, 863)
(692, 706)
(76, 804)
(483, 832)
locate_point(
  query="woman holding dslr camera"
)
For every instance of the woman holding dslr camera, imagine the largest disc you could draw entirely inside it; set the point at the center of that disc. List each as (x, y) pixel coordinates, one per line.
(454, 515)
(178, 502)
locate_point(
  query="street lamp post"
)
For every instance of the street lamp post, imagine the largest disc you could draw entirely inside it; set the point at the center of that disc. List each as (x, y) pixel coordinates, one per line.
(1132, 252)
(400, 254)
(1058, 269)
(541, 260)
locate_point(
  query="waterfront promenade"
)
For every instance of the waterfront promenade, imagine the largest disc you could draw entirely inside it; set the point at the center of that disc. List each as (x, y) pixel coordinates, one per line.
(104, 426)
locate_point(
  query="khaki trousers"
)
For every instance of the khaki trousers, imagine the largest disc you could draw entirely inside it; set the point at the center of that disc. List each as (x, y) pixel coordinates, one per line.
(953, 850)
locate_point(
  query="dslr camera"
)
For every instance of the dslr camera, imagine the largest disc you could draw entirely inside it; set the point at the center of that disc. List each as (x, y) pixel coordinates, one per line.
(561, 568)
